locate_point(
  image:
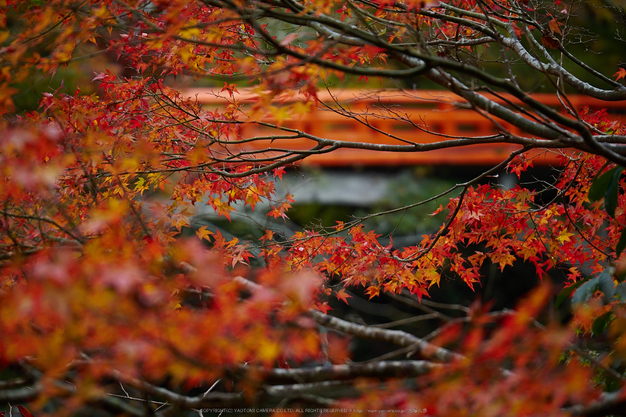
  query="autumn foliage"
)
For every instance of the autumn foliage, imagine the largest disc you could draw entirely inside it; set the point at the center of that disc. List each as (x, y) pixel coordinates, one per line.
(113, 299)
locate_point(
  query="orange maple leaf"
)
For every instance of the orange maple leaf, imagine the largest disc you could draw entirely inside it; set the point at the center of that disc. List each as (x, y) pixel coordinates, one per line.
(343, 295)
(323, 307)
(372, 291)
(554, 27)
(620, 74)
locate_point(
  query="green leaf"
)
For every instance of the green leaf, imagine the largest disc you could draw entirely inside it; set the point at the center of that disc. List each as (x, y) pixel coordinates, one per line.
(601, 323)
(601, 184)
(621, 291)
(606, 285)
(595, 177)
(584, 293)
(610, 195)
(603, 282)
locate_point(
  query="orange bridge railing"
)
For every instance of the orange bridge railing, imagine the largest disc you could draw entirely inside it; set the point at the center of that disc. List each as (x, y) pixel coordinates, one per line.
(413, 117)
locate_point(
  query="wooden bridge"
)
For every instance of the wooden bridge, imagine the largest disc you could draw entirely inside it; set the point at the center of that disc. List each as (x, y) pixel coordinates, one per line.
(407, 117)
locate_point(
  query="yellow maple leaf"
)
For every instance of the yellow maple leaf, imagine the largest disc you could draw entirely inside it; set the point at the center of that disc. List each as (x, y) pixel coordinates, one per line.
(179, 220)
(185, 53)
(203, 233)
(502, 259)
(268, 351)
(564, 237)
(527, 252)
(280, 114)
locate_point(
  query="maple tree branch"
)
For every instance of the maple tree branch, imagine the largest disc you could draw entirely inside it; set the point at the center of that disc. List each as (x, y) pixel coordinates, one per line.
(457, 11)
(361, 117)
(44, 219)
(483, 103)
(618, 93)
(444, 306)
(119, 405)
(582, 234)
(547, 131)
(14, 383)
(459, 203)
(453, 141)
(397, 337)
(364, 71)
(21, 252)
(495, 55)
(330, 145)
(418, 304)
(20, 395)
(612, 403)
(361, 220)
(31, 393)
(296, 390)
(405, 321)
(55, 25)
(555, 69)
(591, 70)
(380, 369)
(206, 400)
(418, 61)
(491, 107)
